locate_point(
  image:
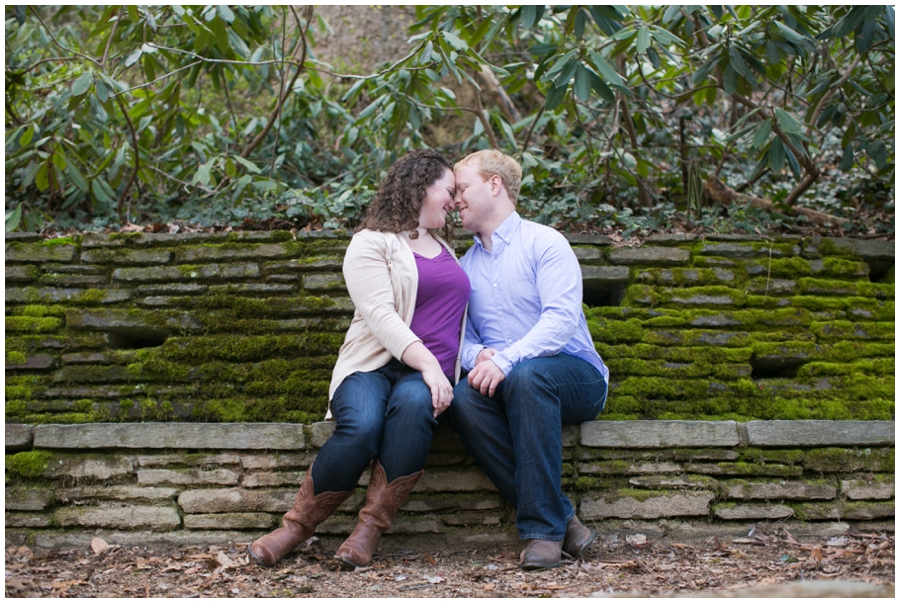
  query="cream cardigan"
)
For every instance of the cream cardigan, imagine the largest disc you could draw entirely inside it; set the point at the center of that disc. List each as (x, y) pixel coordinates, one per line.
(382, 278)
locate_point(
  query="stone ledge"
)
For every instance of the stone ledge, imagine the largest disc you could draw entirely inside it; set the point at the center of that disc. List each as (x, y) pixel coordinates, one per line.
(231, 436)
(594, 434)
(19, 437)
(659, 434)
(820, 433)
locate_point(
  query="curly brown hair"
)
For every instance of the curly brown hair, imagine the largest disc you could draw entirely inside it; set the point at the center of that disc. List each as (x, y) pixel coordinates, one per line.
(399, 200)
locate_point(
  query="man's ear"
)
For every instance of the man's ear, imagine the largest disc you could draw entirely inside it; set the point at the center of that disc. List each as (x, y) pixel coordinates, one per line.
(496, 185)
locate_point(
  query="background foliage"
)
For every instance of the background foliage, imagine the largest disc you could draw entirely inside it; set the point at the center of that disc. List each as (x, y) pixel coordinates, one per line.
(218, 114)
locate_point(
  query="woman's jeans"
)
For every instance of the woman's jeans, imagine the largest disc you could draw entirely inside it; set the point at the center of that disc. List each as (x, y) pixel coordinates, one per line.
(516, 436)
(385, 413)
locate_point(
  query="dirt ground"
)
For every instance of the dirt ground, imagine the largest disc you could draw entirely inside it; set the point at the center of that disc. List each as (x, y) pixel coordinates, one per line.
(633, 566)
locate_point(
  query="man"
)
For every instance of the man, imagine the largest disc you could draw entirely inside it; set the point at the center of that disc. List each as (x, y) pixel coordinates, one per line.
(531, 360)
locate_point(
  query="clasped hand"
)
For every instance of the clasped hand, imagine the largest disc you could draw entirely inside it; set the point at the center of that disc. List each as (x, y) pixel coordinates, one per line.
(486, 375)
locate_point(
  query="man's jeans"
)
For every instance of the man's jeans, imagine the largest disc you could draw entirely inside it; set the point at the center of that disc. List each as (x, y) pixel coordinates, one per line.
(516, 436)
(385, 413)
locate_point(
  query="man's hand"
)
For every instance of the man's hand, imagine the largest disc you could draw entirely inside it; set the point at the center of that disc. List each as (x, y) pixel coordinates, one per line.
(486, 375)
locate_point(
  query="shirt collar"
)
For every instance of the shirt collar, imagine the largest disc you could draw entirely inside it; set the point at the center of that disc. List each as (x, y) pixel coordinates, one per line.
(505, 231)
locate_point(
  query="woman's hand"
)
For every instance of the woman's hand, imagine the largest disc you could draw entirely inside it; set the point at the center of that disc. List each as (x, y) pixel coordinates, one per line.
(418, 357)
(441, 390)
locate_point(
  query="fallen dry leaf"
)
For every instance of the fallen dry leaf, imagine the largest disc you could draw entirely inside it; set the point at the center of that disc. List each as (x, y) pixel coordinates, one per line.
(99, 545)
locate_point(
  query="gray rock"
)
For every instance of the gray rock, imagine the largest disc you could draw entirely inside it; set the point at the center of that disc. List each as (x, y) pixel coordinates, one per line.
(587, 254)
(20, 274)
(180, 538)
(868, 250)
(26, 520)
(245, 288)
(820, 433)
(191, 255)
(688, 482)
(322, 282)
(857, 489)
(128, 517)
(780, 491)
(36, 362)
(320, 432)
(20, 498)
(846, 511)
(120, 493)
(128, 257)
(234, 436)
(658, 434)
(230, 521)
(186, 477)
(653, 256)
(273, 479)
(173, 289)
(454, 480)
(191, 460)
(101, 468)
(604, 275)
(276, 460)
(670, 239)
(652, 508)
(580, 239)
(36, 253)
(18, 436)
(755, 512)
(236, 500)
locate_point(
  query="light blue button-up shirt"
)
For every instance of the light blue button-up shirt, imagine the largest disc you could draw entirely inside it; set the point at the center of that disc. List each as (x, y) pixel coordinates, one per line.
(526, 298)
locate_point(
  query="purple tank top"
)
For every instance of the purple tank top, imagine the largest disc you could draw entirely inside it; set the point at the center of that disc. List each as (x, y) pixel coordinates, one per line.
(440, 302)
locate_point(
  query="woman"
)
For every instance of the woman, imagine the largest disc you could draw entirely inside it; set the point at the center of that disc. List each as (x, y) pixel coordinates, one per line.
(393, 373)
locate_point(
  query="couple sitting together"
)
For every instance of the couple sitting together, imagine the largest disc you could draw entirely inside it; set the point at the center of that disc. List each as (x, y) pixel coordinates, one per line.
(497, 342)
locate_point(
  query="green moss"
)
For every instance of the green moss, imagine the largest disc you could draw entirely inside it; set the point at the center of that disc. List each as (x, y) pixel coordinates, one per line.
(243, 348)
(638, 495)
(764, 455)
(13, 357)
(91, 296)
(616, 331)
(32, 324)
(844, 329)
(28, 464)
(40, 310)
(14, 408)
(62, 241)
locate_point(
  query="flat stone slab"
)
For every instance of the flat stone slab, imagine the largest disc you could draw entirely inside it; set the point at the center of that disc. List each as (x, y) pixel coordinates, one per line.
(789, 490)
(820, 433)
(19, 436)
(755, 512)
(653, 256)
(130, 517)
(659, 434)
(652, 508)
(230, 436)
(604, 275)
(236, 500)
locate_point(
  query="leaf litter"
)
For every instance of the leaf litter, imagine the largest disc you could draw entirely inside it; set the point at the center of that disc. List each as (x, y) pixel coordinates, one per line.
(635, 565)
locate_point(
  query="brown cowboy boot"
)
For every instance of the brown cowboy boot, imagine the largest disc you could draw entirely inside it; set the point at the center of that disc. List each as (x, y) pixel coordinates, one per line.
(383, 500)
(299, 523)
(578, 538)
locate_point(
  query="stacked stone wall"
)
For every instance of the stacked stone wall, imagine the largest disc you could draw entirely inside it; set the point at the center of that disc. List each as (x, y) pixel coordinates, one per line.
(168, 388)
(246, 327)
(189, 483)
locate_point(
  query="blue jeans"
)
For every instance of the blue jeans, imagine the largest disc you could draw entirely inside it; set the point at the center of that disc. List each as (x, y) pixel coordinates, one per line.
(385, 413)
(516, 436)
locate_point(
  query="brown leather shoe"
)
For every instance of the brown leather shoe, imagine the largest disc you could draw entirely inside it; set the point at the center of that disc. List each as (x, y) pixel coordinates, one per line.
(299, 523)
(383, 500)
(578, 538)
(541, 554)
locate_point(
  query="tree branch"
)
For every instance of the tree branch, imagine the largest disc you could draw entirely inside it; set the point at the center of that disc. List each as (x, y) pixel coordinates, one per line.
(282, 97)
